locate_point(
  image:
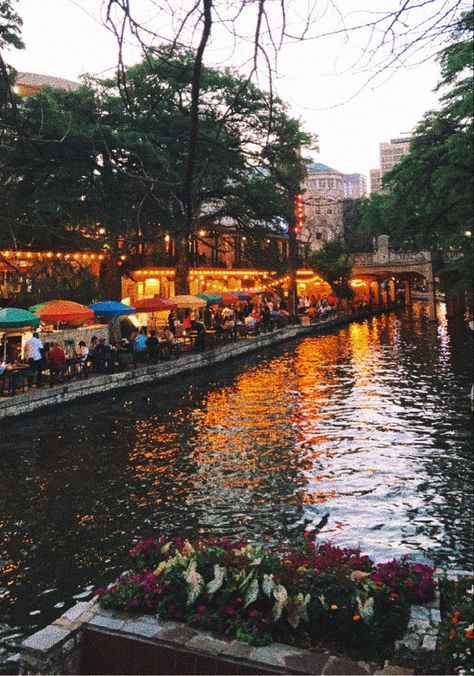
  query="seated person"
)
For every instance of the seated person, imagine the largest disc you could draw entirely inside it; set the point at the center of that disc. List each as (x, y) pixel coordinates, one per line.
(168, 342)
(200, 329)
(153, 347)
(83, 353)
(56, 361)
(250, 323)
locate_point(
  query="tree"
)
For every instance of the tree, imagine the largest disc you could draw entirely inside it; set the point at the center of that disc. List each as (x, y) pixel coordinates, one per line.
(356, 238)
(94, 170)
(429, 198)
(58, 279)
(333, 263)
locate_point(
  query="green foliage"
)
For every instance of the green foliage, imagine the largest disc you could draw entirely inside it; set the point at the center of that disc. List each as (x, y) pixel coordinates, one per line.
(10, 26)
(312, 594)
(62, 280)
(356, 237)
(93, 159)
(429, 200)
(333, 264)
(456, 632)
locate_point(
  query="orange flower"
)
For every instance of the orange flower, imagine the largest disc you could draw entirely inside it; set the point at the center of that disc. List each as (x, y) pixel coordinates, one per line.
(333, 607)
(454, 619)
(469, 633)
(356, 618)
(393, 596)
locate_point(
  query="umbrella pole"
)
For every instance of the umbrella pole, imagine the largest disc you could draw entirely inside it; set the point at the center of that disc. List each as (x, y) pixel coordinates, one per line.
(5, 347)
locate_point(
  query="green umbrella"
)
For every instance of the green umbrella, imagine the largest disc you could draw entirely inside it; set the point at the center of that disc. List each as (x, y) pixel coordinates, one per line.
(35, 308)
(15, 318)
(210, 298)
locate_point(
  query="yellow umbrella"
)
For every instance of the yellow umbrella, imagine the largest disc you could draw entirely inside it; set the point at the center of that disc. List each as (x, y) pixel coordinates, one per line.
(189, 302)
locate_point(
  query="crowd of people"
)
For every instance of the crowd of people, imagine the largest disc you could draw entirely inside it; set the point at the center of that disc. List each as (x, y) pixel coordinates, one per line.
(183, 329)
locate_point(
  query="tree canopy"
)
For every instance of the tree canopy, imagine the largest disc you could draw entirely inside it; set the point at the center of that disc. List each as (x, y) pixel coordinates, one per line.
(428, 197)
(332, 262)
(92, 166)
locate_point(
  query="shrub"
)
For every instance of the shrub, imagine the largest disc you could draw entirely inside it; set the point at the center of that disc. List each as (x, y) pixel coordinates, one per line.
(312, 594)
(455, 637)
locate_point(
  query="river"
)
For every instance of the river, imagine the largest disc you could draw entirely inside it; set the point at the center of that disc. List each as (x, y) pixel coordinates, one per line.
(368, 426)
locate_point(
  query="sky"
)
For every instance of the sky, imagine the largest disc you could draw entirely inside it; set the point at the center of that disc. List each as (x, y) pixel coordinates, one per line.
(318, 78)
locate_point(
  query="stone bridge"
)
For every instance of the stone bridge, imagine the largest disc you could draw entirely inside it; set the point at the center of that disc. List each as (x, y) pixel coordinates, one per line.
(384, 264)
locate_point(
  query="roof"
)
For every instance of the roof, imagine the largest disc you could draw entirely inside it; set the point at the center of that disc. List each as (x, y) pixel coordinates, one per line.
(319, 168)
(39, 80)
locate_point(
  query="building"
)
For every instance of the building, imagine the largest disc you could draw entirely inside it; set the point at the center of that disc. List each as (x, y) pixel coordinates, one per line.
(354, 186)
(390, 154)
(375, 180)
(29, 84)
(323, 195)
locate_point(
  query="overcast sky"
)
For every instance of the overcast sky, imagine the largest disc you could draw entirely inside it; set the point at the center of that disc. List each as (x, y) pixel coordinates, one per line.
(318, 78)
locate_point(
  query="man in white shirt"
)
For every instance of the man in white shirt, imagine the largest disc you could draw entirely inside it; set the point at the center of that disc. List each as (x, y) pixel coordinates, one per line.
(33, 354)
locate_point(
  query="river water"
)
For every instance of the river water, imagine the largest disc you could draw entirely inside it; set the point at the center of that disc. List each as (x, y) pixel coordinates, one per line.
(367, 428)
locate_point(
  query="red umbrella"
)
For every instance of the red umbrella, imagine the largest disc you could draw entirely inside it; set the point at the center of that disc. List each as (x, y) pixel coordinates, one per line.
(64, 311)
(227, 297)
(154, 304)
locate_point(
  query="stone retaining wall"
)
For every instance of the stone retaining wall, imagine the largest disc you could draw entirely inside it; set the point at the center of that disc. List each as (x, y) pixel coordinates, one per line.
(35, 399)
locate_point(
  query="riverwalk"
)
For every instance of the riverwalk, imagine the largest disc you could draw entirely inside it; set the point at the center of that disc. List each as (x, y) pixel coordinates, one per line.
(27, 402)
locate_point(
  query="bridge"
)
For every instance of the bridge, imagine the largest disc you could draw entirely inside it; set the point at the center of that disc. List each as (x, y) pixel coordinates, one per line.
(386, 265)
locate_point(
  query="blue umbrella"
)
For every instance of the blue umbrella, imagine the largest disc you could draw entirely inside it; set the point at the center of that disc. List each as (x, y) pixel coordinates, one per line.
(112, 308)
(241, 295)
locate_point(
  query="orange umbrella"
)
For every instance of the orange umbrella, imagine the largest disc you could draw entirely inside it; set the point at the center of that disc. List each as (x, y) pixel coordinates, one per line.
(64, 311)
(154, 304)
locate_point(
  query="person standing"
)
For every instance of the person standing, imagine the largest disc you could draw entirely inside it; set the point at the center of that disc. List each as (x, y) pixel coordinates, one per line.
(33, 354)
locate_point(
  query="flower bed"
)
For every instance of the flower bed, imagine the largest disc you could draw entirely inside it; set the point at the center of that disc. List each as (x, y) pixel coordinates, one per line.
(456, 632)
(315, 594)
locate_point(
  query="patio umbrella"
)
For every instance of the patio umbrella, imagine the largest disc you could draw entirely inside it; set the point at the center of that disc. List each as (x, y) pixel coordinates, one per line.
(155, 304)
(35, 308)
(227, 297)
(111, 309)
(15, 318)
(241, 295)
(211, 298)
(64, 311)
(189, 302)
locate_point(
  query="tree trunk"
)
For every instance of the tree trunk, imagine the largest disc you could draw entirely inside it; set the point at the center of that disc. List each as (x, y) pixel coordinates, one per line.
(292, 268)
(111, 276)
(181, 280)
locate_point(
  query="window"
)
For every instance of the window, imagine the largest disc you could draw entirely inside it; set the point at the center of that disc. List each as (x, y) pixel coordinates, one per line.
(329, 210)
(322, 183)
(317, 235)
(330, 182)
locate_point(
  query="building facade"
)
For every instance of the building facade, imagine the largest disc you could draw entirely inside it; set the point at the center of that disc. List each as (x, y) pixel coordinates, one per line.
(323, 193)
(390, 154)
(354, 186)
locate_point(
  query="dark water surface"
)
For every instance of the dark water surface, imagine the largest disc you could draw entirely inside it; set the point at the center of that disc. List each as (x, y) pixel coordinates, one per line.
(369, 424)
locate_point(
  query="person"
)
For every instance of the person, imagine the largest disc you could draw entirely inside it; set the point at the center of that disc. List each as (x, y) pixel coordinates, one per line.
(83, 354)
(139, 346)
(187, 320)
(168, 343)
(56, 361)
(33, 354)
(153, 347)
(200, 340)
(6, 352)
(171, 322)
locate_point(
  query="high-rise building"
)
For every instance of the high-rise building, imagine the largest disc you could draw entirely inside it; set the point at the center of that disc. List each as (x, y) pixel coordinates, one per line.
(390, 154)
(323, 195)
(354, 186)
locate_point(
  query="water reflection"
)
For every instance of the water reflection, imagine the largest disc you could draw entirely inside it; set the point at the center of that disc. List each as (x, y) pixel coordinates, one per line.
(369, 424)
